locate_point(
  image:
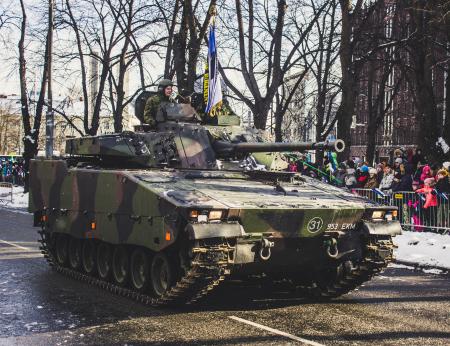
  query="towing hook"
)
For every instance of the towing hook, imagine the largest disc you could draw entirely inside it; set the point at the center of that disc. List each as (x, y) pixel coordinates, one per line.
(331, 248)
(264, 251)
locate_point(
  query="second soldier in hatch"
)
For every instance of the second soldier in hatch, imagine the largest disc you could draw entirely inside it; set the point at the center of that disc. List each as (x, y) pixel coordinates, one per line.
(154, 103)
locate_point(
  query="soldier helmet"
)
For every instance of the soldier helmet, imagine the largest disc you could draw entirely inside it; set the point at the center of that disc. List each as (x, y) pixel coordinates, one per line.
(164, 83)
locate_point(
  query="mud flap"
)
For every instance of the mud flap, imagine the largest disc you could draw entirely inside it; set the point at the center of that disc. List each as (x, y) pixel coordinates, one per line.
(37, 218)
(391, 228)
(214, 230)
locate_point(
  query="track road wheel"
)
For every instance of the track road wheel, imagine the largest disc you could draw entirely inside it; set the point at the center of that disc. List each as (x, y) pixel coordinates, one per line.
(74, 253)
(139, 270)
(88, 256)
(161, 274)
(62, 245)
(120, 265)
(103, 261)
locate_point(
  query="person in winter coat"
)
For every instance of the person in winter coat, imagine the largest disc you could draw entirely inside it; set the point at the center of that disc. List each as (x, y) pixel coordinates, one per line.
(363, 176)
(380, 172)
(388, 179)
(372, 181)
(405, 181)
(426, 173)
(446, 166)
(340, 174)
(430, 195)
(414, 209)
(431, 203)
(443, 189)
(292, 167)
(417, 158)
(350, 175)
(443, 182)
(398, 161)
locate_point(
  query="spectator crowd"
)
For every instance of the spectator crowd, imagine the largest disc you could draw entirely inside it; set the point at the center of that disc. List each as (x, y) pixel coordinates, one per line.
(410, 174)
(11, 171)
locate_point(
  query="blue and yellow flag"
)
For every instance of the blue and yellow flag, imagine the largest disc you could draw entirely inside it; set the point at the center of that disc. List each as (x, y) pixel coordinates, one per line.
(212, 85)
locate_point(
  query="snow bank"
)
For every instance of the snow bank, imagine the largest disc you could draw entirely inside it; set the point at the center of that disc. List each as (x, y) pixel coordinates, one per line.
(423, 248)
(19, 199)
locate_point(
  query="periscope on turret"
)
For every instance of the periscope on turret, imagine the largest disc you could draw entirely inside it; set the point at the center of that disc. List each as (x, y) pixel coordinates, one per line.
(166, 214)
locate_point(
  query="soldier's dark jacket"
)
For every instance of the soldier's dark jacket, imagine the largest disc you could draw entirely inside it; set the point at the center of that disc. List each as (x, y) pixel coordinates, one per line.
(152, 107)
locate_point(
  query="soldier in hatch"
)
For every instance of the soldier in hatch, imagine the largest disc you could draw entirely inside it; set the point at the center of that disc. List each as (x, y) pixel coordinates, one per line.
(154, 103)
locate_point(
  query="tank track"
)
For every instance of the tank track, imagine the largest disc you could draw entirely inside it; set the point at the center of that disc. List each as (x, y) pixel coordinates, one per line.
(349, 275)
(209, 268)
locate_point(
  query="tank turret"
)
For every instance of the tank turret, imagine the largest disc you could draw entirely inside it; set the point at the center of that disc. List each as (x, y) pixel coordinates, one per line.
(182, 145)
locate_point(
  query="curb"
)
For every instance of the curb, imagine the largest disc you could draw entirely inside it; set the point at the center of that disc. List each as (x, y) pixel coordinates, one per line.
(15, 209)
(418, 266)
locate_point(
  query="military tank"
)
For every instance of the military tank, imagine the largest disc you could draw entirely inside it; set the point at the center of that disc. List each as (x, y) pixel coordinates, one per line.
(164, 215)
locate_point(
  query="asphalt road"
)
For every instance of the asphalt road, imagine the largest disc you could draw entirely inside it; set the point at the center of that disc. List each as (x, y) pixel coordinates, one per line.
(41, 307)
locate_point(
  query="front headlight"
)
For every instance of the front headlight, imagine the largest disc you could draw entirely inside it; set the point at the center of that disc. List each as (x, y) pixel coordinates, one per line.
(378, 215)
(205, 216)
(193, 214)
(215, 214)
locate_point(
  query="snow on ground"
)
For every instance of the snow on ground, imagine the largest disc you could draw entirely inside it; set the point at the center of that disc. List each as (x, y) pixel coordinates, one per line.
(415, 248)
(423, 248)
(19, 199)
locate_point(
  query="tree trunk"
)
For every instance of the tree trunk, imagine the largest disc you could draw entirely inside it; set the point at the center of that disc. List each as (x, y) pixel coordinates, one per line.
(347, 107)
(31, 133)
(422, 70)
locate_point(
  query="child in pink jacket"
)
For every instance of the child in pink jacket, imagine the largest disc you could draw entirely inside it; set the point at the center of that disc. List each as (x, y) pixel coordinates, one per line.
(431, 203)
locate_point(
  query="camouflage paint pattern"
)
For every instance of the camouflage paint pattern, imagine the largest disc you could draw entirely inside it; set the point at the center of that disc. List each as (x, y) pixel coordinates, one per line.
(134, 206)
(139, 188)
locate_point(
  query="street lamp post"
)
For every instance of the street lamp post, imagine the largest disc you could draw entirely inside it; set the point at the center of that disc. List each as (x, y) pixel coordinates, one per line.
(49, 120)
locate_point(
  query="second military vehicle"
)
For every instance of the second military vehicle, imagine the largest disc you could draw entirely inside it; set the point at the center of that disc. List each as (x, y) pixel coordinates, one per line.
(165, 215)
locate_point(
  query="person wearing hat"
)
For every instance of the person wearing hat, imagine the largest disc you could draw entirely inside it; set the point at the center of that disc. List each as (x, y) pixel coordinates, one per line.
(388, 179)
(405, 180)
(363, 176)
(446, 166)
(372, 182)
(154, 103)
(443, 182)
(398, 161)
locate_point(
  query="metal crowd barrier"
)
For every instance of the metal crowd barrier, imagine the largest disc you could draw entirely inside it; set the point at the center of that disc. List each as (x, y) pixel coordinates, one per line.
(411, 212)
(4, 195)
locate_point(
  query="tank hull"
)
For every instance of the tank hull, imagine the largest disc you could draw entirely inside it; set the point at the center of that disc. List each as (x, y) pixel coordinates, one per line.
(244, 226)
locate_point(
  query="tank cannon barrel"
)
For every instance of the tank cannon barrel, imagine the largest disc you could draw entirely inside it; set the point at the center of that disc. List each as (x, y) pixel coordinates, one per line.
(227, 148)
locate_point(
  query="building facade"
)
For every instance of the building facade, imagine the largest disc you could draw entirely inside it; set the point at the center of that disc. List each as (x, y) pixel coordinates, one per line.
(386, 86)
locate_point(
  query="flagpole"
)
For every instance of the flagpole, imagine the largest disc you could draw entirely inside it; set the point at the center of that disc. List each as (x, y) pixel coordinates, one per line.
(212, 78)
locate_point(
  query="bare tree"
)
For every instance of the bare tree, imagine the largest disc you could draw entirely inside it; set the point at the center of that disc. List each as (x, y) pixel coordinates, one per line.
(133, 18)
(169, 12)
(10, 128)
(31, 123)
(116, 34)
(324, 48)
(428, 49)
(269, 50)
(187, 23)
(5, 15)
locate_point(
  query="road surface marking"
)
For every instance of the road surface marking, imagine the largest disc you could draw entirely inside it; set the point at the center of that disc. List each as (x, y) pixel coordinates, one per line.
(22, 256)
(15, 245)
(275, 331)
